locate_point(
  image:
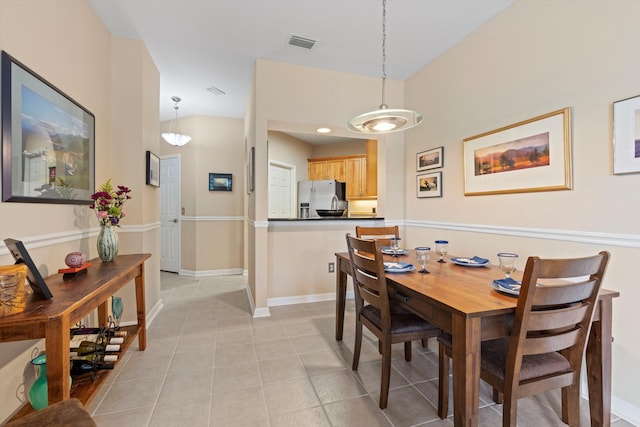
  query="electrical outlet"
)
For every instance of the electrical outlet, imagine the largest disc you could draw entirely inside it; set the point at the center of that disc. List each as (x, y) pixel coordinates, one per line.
(332, 267)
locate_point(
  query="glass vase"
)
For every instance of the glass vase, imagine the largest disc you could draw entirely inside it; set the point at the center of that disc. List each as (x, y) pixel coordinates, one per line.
(38, 393)
(108, 243)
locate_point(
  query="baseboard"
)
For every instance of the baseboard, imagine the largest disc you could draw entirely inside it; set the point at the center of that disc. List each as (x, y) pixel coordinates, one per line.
(210, 273)
(301, 299)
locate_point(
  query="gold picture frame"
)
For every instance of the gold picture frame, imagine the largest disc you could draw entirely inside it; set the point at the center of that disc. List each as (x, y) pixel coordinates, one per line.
(528, 156)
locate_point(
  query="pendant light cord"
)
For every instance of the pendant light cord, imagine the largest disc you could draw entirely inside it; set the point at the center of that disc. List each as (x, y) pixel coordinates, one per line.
(384, 50)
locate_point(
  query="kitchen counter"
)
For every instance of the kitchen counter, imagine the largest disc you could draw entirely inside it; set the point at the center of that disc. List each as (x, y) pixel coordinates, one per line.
(330, 218)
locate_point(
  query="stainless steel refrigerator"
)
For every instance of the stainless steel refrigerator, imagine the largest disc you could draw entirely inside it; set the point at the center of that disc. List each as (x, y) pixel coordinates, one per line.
(322, 194)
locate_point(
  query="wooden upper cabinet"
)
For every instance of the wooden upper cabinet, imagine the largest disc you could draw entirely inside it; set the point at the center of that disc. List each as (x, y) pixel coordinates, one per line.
(360, 172)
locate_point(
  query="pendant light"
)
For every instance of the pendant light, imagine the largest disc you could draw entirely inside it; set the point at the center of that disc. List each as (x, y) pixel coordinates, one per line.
(175, 138)
(384, 119)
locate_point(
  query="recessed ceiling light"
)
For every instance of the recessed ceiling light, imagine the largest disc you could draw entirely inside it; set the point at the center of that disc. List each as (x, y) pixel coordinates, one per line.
(214, 90)
(323, 130)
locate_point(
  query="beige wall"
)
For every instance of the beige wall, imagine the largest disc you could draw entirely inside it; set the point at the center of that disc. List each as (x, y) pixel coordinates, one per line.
(340, 149)
(116, 80)
(284, 148)
(212, 235)
(534, 58)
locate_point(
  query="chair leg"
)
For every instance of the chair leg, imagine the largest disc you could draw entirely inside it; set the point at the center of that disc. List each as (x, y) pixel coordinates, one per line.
(425, 342)
(510, 412)
(407, 351)
(498, 397)
(356, 346)
(443, 382)
(571, 405)
(386, 373)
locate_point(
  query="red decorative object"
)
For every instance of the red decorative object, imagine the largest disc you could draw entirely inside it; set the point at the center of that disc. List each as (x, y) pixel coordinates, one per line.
(74, 271)
(75, 259)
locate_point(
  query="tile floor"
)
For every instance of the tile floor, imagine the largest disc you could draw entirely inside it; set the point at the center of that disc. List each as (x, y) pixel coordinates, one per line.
(209, 363)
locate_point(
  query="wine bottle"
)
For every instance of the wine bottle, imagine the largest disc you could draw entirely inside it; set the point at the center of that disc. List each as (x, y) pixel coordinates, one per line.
(88, 347)
(93, 357)
(79, 367)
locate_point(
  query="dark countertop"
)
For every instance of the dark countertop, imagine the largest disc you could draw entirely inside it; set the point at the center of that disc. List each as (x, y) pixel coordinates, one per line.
(331, 218)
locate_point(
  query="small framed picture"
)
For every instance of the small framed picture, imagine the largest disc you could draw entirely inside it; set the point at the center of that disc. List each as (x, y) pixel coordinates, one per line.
(20, 254)
(626, 136)
(220, 182)
(429, 185)
(153, 169)
(430, 159)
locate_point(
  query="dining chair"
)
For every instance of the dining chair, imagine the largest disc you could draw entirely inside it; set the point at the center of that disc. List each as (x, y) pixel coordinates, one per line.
(547, 342)
(382, 315)
(384, 234)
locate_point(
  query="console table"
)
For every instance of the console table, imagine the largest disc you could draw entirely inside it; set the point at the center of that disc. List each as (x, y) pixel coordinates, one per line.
(72, 300)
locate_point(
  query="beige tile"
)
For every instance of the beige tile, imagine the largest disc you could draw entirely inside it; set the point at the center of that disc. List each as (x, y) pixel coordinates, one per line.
(192, 361)
(274, 349)
(370, 376)
(282, 368)
(290, 395)
(235, 377)
(300, 326)
(419, 369)
(194, 326)
(357, 412)
(133, 394)
(192, 413)
(155, 346)
(268, 332)
(234, 354)
(144, 367)
(337, 385)
(231, 323)
(182, 388)
(407, 407)
(234, 337)
(322, 361)
(312, 342)
(197, 343)
(313, 417)
(237, 407)
(130, 418)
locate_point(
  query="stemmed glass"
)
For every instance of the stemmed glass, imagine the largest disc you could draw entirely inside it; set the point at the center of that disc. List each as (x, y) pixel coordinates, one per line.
(422, 254)
(507, 263)
(395, 245)
(441, 249)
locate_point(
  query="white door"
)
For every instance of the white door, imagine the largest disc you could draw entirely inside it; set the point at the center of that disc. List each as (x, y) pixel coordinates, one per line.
(281, 194)
(170, 214)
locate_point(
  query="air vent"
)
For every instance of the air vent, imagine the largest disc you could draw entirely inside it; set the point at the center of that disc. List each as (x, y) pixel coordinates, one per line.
(301, 41)
(214, 90)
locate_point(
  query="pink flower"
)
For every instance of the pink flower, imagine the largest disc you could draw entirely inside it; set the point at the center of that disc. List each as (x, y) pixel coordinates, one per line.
(102, 214)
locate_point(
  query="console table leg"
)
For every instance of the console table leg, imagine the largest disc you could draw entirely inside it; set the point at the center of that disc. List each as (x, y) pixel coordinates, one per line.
(57, 336)
(141, 310)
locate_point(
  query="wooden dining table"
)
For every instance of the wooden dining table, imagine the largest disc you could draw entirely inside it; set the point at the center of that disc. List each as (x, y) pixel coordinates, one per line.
(461, 301)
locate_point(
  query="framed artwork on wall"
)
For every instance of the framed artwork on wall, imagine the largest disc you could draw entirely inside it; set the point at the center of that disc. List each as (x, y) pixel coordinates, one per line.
(533, 155)
(220, 182)
(48, 141)
(430, 159)
(429, 185)
(251, 171)
(626, 136)
(153, 169)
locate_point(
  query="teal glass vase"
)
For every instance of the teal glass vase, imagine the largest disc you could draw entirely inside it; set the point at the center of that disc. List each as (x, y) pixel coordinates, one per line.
(38, 393)
(108, 243)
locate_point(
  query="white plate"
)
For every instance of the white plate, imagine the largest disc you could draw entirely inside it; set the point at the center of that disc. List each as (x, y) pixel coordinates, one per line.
(499, 288)
(394, 267)
(468, 262)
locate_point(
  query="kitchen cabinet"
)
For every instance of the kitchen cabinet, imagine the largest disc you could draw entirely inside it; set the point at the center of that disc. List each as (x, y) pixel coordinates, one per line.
(327, 168)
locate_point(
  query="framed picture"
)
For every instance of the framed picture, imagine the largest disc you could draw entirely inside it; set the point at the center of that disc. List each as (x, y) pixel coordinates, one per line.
(20, 254)
(626, 136)
(48, 140)
(533, 155)
(430, 159)
(153, 169)
(220, 182)
(251, 171)
(429, 185)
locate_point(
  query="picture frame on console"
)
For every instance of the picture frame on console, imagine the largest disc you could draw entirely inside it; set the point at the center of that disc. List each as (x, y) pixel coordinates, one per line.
(532, 155)
(21, 255)
(626, 136)
(48, 140)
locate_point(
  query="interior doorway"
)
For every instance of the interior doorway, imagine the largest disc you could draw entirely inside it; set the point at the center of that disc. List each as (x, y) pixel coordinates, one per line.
(170, 214)
(282, 190)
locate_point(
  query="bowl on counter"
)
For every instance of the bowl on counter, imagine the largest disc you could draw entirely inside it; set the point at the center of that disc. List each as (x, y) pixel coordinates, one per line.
(330, 212)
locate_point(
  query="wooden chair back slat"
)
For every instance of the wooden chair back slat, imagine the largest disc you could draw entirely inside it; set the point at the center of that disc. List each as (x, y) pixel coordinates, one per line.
(383, 234)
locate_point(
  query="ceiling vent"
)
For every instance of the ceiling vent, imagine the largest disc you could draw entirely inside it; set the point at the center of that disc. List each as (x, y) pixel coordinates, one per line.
(301, 41)
(214, 90)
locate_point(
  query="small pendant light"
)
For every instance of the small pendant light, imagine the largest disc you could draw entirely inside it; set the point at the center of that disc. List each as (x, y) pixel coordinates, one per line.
(175, 138)
(384, 119)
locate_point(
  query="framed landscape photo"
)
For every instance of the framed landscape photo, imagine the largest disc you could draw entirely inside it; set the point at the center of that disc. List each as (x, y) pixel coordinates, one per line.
(430, 159)
(153, 169)
(533, 155)
(220, 182)
(429, 185)
(48, 140)
(626, 136)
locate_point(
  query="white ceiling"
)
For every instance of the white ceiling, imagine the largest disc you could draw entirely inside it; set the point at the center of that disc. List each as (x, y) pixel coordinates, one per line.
(201, 43)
